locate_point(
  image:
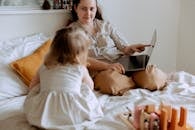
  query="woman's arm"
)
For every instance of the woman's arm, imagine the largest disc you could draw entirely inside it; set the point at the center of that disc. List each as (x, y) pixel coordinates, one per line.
(122, 44)
(129, 50)
(98, 65)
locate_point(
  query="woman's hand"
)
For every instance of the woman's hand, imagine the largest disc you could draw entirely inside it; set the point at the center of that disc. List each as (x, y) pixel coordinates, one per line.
(129, 50)
(117, 67)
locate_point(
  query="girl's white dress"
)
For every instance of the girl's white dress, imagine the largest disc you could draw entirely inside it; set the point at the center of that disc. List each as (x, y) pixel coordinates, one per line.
(62, 100)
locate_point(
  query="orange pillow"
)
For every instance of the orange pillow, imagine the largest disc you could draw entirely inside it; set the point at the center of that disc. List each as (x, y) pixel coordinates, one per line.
(27, 66)
(151, 78)
(112, 82)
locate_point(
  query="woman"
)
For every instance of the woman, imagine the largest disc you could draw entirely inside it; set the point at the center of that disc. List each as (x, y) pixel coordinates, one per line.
(107, 44)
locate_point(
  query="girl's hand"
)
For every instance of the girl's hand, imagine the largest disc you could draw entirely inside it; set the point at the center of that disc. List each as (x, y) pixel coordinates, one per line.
(34, 81)
(129, 50)
(87, 79)
(117, 67)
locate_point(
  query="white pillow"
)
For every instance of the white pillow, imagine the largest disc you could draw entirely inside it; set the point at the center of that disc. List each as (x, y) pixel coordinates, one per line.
(10, 50)
(14, 49)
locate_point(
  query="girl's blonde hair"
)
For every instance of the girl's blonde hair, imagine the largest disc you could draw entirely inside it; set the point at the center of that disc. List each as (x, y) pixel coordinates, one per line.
(67, 46)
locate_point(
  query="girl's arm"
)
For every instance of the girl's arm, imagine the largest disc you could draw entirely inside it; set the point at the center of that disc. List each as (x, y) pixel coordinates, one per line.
(34, 81)
(87, 79)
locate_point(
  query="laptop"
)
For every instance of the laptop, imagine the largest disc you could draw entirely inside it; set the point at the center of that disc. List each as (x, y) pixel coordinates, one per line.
(138, 62)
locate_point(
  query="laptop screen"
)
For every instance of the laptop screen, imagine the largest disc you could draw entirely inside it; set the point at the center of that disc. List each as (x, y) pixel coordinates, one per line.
(153, 42)
(138, 62)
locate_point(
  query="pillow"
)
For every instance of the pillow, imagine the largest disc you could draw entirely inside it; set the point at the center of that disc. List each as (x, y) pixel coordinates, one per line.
(10, 84)
(112, 82)
(27, 66)
(10, 50)
(151, 78)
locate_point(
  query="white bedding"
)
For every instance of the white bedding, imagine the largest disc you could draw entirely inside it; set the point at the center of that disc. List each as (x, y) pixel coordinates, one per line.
(180, 91)
(11, 107)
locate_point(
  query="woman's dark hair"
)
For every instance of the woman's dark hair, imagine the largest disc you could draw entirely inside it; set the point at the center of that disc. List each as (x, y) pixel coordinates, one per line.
(74, 14)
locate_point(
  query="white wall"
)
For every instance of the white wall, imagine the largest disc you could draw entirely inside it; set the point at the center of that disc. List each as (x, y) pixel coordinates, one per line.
(136, 19)
(24, 22)
(186, 50)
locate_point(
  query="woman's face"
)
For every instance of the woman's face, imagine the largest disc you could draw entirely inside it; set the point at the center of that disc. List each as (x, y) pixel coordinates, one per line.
(86, 11)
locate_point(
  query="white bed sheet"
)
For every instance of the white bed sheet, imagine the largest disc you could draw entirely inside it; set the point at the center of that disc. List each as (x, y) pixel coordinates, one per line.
(10, 50)
(11, 107)
(179, 92)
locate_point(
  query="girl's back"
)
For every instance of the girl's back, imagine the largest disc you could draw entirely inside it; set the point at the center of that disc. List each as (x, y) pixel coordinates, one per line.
(63, 100)
(67, 78)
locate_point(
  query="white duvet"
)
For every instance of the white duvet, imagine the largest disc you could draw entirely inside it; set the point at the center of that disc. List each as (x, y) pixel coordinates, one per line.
(180, 91)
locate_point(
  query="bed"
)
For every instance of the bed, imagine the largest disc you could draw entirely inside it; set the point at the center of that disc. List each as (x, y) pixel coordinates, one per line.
(179, 91)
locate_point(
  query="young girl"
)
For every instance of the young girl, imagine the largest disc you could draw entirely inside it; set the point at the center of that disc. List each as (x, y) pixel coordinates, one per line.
(65, 97)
